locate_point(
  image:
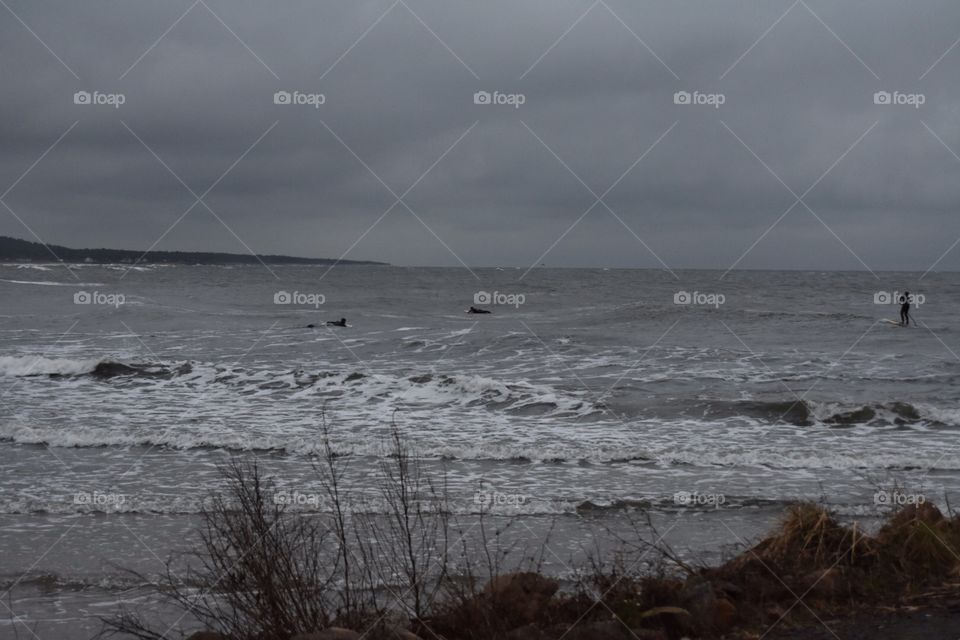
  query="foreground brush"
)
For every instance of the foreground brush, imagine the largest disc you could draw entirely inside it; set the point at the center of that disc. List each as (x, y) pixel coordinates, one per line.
(264, 572)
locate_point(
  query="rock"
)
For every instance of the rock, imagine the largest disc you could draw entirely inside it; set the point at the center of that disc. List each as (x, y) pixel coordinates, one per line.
(333, 633)
(206, 635)
(677, 621)
(110, 369)
(521, 596)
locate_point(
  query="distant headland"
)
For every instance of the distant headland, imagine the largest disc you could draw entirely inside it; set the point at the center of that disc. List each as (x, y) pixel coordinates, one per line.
(16, 250)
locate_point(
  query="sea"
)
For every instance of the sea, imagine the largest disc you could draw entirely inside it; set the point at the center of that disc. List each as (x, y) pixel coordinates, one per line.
(708, 401)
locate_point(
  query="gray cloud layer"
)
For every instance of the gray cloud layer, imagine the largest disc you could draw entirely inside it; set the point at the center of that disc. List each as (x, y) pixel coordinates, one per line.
(799, 103)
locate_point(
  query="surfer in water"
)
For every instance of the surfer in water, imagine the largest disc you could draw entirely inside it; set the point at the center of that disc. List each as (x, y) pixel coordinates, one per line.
(342, 322)
(905, 309)
(476, 310)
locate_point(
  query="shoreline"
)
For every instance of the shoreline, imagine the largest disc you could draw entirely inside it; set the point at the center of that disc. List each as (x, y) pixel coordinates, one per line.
(409, 574)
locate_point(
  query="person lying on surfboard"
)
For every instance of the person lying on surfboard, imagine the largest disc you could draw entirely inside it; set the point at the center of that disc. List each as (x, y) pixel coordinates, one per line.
(905, 308)
(342, 322)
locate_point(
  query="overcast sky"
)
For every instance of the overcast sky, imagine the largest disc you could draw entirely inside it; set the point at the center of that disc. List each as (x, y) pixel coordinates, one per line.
(797, 168)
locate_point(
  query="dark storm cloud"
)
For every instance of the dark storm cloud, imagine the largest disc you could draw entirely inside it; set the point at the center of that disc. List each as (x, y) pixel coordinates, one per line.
(799, 103)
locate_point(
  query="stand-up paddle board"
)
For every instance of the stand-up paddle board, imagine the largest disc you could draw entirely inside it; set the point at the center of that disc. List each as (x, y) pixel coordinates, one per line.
(893, 322)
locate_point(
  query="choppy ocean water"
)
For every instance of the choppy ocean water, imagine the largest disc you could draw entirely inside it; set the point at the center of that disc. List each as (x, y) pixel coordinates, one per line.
(712, 400)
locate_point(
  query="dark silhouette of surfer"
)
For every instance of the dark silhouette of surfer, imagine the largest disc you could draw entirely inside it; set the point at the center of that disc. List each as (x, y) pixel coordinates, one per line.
(342, 322)
(476, 310)
(905, 309)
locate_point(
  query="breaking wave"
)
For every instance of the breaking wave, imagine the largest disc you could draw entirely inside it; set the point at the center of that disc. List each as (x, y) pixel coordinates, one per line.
(804, 413)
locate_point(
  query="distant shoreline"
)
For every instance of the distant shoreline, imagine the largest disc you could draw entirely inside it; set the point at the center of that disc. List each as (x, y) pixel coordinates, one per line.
(17, 251)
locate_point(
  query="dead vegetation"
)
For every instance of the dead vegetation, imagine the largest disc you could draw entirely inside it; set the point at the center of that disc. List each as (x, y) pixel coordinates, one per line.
(264, 572)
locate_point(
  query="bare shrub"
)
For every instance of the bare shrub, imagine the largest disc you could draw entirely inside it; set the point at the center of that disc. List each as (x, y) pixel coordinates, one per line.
(261, 573)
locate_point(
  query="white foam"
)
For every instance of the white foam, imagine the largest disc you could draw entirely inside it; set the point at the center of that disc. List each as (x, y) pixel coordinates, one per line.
(39, 365)
(950, 416)
(47, 283)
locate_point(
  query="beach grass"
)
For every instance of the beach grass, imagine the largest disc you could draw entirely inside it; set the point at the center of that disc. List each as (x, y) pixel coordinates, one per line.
(263, 571)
